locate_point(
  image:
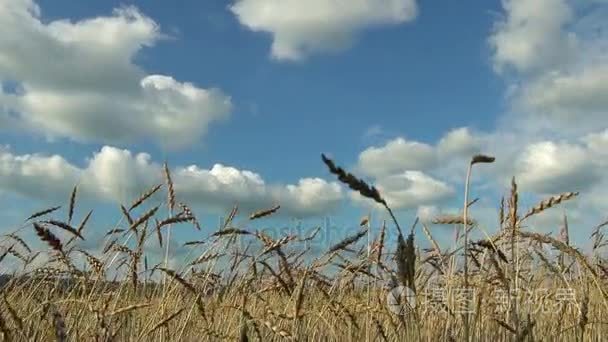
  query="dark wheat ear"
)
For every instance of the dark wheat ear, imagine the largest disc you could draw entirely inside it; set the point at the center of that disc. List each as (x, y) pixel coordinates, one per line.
(159, 235)
(360, 186)
(42, 213)
(264, 213)
(353, 182)
(381, 243)
(231, 231)
(170, 188)
(65, 226)
(125, 212)
(45, 235)
(144, 197)
(20, 241)
(406, 259)
(173, 220)
(364, 221)
(143, 218)
(72, 204)
(81, 227)
(481, 158)
(348, 241)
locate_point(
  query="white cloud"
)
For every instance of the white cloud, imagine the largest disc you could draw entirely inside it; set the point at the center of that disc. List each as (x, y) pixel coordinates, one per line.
(310, 196)
(560, 52)
(446, 159)
(459, 142)
(300, 28)
(598, 144)
(114, 174)
(597, 203)
(553, 54)
(411, 173)
(542, 165)
(396, 156)
(572, 97)
(223, 186)
(426, 213)
(549, 167)
(409, 189)
(78, 80)
(532, 36)
(35, 175)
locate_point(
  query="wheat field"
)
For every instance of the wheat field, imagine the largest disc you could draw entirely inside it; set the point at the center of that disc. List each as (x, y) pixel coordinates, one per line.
(242, 284)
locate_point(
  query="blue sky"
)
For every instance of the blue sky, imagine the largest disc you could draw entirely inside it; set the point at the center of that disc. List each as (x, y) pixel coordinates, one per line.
(401, 91)
(392, 77)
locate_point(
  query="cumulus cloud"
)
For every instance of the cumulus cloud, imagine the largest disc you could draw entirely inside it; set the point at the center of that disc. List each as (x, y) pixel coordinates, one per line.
(395, 156)
(426, 213)
(553, 139)
(223, 186)
(532, 35)
(114, 174)
(310, 196)
(300, 28)
(459, 142)
(35, 175)
(78, 80)
(598, 144)
(554, 56)
(410, 173)
(573, 97)
(549, 167)
(542, 166)
(399, 154)
(559, 52)
(409, 189)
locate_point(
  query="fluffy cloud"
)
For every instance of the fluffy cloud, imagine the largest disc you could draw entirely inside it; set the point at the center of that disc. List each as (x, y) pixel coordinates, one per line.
(542, 166)
(78, 80)
(35, 175)
(223, 186)
(310, 196)
(119, 175)
(559, 53)
(549, 167)
(532, 35)
(300, 28)
(400, 154)
(553, 54)
(598, 144)
(572, 97)
(411, 173)
(459, 142)
(396, 156)
(426, 213)
(409, 189)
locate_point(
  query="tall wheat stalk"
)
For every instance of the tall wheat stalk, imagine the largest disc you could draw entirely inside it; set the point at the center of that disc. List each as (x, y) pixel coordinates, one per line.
(476, 159)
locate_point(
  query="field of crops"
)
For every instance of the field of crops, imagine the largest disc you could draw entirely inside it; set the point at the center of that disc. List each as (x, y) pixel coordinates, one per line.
(243, 284)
